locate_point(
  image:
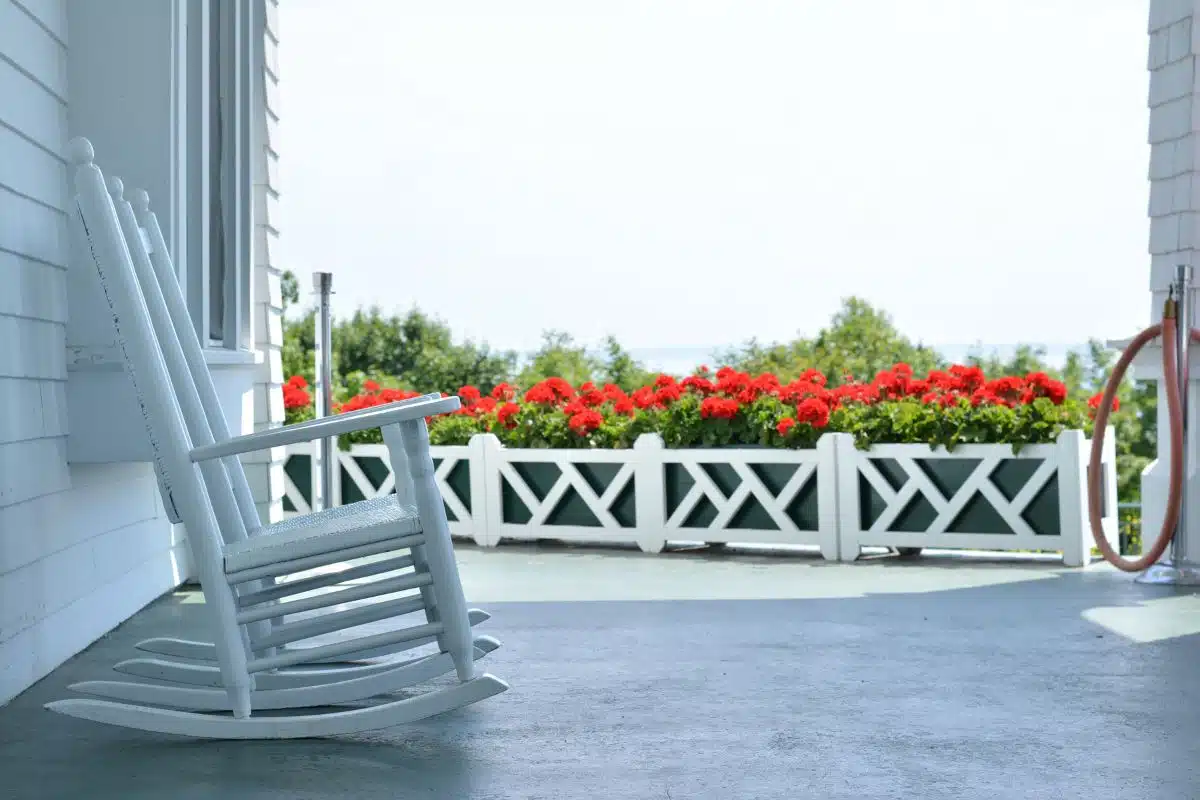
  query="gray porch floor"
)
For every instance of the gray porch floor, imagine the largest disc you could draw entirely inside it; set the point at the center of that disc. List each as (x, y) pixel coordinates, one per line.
(691, 675)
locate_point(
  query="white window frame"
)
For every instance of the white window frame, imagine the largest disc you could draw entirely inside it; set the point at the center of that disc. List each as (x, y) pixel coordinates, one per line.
(216, 98)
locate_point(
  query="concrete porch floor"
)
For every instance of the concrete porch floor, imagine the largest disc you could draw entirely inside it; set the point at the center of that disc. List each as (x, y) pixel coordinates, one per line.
(725, 676)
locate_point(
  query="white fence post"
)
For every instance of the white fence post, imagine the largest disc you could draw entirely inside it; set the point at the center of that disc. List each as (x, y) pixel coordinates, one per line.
(1072, 454)
(846, 505)
(483, 477)
(493, 496)
(650, 491)
(829, 494)
(1112, 519)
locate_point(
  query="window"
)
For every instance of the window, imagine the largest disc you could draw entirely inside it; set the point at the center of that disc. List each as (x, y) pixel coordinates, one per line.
(218, 82)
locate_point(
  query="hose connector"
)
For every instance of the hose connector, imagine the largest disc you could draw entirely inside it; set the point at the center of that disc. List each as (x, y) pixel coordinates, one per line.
(1170, 306)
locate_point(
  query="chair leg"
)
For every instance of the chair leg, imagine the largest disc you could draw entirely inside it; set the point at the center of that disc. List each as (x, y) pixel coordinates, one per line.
(421, 564)
(408, 449)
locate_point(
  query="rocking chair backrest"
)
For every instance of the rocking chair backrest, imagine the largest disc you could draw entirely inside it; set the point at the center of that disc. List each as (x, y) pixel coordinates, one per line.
(173, 325)
(145, 362)
(176, 310)
(229, 518)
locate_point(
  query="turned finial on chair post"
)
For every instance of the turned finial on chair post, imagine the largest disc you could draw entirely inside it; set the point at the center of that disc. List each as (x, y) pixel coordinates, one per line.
(80, 151)
(116, 187)
(140, 199)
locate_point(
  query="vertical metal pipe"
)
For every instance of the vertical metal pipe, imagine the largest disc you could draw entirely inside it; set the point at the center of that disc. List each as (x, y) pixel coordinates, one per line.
(1183, 286)
(327, 448)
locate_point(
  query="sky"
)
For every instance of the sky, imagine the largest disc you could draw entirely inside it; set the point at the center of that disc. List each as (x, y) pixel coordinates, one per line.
(688, 174)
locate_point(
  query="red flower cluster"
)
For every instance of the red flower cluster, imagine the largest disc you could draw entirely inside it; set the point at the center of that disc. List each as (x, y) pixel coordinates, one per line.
(723, 396)
(947, 388)
(295, 393)
(475, 404)
(373, 395)
(1094, 404)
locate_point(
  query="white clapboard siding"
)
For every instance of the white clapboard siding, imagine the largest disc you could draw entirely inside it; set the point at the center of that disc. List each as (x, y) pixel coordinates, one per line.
(265, 469)
(81, 548)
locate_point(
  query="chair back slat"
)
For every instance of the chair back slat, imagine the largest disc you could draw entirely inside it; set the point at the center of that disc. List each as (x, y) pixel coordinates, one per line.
(170, 440)
(164, 271)
(183, 381)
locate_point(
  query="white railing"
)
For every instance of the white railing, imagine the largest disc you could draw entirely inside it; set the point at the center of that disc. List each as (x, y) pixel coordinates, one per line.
(834, 497)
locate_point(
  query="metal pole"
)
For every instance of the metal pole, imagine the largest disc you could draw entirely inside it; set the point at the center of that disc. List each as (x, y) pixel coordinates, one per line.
(1183, 338)
(1175, 569)
(327, 448)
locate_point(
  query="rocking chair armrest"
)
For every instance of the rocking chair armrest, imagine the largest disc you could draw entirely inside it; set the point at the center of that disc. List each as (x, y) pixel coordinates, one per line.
(327, 427)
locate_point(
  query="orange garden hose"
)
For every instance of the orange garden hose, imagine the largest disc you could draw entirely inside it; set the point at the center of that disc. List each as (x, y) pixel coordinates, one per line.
(1167, 330)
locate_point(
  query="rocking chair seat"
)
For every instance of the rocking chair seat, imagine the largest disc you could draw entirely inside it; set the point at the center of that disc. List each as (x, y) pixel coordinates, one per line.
(341, 528)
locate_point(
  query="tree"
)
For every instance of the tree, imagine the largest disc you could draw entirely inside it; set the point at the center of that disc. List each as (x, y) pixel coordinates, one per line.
(1024, 360)
(289, 287)
(620, 368)
(859, 342)
(559, 356)
(414, 351)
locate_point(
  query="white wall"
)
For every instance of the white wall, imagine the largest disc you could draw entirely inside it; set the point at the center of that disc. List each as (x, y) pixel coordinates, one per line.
(81, 548)
(264, 470)
(1174, 210)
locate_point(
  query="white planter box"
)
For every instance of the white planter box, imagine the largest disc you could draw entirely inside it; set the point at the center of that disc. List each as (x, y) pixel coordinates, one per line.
(979, 497)
(834, 497)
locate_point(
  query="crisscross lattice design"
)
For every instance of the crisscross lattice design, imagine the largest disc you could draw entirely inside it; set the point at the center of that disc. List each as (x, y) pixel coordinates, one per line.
(365, 473)
(990, 494)
(589, 494)
(734, 494)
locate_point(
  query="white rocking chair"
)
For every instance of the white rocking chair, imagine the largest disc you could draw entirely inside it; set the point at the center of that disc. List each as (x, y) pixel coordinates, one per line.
(203, 483)
(170, 320)
(146, 241)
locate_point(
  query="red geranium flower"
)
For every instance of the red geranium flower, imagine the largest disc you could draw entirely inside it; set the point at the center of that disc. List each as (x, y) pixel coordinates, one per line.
(718, 408)
(585, 421)
(392, 395)
(1042, 385)
(560, 387)
(698, 384)
(667, 394)
(644, 397)
(813, 411)
(296, 396)
(785, 425)
(505, 414)
(1095, 400)
(813, 376)
(969, 378)
(370, 386)
(542, 394)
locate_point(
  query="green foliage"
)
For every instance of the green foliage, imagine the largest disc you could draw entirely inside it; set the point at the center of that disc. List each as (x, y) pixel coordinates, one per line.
(559, 356)
(620, 368)
(412, 350)
(289, 288)
(912, 422)
(859, 342)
